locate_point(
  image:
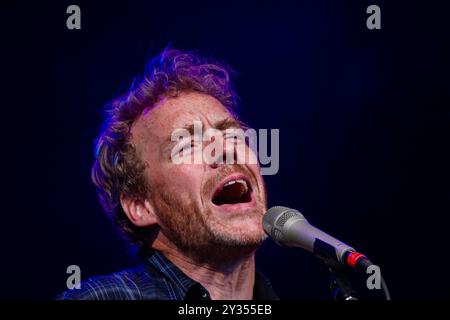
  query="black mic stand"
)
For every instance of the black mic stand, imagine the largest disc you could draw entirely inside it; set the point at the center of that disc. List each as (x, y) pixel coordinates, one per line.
(340, 285)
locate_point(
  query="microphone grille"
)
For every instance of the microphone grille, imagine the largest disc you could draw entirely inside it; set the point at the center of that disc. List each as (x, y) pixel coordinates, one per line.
(275, 219)
(285, 217)
(277, 235)
(272, 215)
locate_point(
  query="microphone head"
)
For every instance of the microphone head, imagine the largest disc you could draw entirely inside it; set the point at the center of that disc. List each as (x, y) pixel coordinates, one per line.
(288, 227)
(275, 219)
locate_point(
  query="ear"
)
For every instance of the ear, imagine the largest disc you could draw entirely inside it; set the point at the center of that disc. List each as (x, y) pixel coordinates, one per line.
(140, 212)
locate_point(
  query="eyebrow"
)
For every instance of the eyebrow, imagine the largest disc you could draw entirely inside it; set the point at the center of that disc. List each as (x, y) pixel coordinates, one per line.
(221, 125)
(230, 123)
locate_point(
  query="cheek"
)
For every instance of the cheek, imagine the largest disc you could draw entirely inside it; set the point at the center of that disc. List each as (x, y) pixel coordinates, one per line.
(185, 179)
(255, 169)
(246, 154)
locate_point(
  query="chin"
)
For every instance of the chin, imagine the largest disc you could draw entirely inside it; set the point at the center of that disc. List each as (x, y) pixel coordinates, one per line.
(245, 231)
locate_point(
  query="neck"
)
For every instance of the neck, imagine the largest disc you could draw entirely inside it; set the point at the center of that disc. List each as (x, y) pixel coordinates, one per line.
(232, 280)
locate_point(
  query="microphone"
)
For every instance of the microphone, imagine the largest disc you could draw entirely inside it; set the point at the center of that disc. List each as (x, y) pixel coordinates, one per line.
(288, 227)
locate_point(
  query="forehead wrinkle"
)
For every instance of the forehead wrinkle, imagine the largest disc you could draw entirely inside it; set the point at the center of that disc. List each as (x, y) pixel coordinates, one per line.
(171, 113)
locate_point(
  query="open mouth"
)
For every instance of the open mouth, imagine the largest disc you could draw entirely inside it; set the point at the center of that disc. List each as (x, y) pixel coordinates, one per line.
(233, 191)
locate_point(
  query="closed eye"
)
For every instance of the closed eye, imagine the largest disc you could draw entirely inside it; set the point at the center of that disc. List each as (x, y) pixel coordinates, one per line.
(235, 137)
(189, 146)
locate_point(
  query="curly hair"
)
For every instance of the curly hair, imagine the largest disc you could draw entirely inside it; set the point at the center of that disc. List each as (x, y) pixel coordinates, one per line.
(117, 170)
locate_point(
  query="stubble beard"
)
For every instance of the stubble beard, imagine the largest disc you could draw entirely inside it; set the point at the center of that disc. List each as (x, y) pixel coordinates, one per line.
(200, 234)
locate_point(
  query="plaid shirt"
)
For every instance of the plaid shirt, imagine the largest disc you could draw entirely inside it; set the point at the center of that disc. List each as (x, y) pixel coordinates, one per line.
(156, 279)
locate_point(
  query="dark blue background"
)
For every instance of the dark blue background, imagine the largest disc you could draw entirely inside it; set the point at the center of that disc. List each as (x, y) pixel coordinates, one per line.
(363, 118)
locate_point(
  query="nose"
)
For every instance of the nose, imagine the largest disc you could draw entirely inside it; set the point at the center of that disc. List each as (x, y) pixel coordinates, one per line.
(225, 155)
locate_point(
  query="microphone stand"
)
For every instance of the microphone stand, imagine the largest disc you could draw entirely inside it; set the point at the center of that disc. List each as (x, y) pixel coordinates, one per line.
(340, 285)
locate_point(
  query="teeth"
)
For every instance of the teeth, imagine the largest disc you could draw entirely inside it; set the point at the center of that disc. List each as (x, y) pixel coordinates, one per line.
(241, 181)
(229, 183)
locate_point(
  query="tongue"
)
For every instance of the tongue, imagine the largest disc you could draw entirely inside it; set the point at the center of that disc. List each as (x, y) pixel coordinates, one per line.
(230, 195)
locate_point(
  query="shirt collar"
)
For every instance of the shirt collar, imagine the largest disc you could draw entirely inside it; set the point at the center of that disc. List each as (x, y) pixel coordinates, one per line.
(193, 290)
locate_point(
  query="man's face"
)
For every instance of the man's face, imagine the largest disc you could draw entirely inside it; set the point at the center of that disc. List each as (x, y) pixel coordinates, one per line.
(202, 208)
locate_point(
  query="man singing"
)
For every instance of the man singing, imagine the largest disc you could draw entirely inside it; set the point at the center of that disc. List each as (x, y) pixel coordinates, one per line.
(197, 225)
